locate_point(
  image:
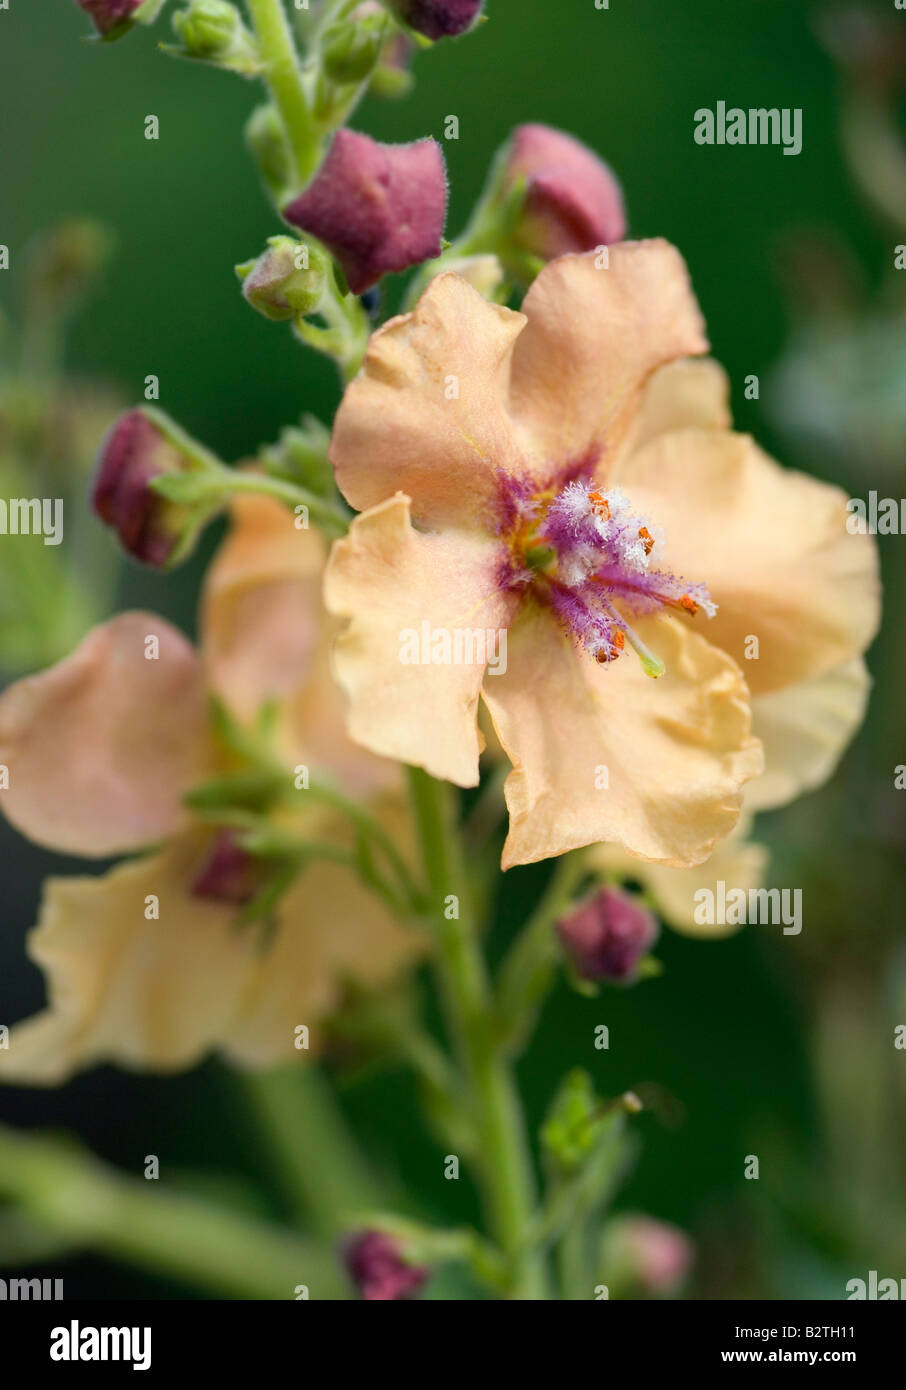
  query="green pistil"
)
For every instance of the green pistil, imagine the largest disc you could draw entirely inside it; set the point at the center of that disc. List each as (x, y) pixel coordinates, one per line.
(538, 557)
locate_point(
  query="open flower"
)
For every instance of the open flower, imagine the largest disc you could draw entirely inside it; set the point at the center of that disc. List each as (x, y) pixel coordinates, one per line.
(558, 476)
(149, 964)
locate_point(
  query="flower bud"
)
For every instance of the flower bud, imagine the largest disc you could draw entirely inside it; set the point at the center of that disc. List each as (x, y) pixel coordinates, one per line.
(229, 874)
(113, 18)
(150, 527)
(379, 1272)
(286, 281)
(572, 202)
(208, 27)
(265, 138)
(437, 19)
(607, 936)
(641, 1255)
(350, 50)
(379, 208)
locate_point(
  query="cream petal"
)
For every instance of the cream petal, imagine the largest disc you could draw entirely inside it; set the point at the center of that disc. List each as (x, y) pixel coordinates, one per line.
(772, 546)
(124, 989)
(737, 861)
(401, 590)
(593, 337)
(690, 393)
(427, 414)
(102, 747)
(676, 750)
(261, 605)
(267, 637)
(804, 729)
(160, 994)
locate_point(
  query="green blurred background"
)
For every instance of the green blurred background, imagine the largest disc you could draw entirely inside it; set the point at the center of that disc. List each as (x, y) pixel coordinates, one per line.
(762, 1044)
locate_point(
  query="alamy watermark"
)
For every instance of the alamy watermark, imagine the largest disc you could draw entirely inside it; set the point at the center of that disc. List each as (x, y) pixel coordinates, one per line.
(735, 907)
(32, 516)
(30, 1290)
(759, 125)
(876, 516)
(457, 646)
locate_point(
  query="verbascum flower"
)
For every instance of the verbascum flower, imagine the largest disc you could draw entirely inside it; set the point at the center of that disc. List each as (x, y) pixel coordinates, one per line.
(148, 965)
(559, 477)
(437, 19)
(573, 201)
(379, 208)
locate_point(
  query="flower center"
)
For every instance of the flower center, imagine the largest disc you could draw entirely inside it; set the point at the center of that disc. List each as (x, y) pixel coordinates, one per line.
(586, 553)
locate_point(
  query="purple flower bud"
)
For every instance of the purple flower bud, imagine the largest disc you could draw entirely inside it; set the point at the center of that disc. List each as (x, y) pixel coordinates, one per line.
(378, 1270)
(646, 1255)
(109, 14)
(606, 936)
(379, 208)
(437, 19)
(573, 201)
(229, 874)
(135, 452)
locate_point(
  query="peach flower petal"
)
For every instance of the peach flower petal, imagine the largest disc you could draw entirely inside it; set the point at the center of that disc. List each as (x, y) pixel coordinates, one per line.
(427, 414)
(260, 606)
(393, 583)
(102, 747)
(266, 637)
(160, 994)
(690, 393)
(592, 339)
(772, 546)
(738, 861)
(805, 728)
(676, 750)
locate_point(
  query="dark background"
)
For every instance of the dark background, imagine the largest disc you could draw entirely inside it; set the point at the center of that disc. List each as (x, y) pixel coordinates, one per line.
(780, 1047)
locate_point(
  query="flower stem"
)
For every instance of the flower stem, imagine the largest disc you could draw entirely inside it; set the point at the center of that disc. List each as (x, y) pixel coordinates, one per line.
(69, 1192)
(330, 518)
(321, 1172)
(504, 1162)
(284, 79)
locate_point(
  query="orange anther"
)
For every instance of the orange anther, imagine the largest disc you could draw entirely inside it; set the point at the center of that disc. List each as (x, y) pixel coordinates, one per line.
(688, 603)
(619, 639)
(600, 504)
(647, 539)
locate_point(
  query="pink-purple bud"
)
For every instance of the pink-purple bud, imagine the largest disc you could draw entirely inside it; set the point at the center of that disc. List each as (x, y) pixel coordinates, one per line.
(133, 454)
(229, 874)
(379, 208)
(379, 1272)
(437, 19)
(109, 14)
(641, 1254)
(573, 201)
(607, 935)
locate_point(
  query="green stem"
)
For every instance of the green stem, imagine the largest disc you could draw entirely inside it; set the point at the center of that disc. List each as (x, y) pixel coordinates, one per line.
(572, 1260)
(528, 969)
(321, 1172)
(504, 1162)
(284, 79)
(325, 514)
(73, 1194)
